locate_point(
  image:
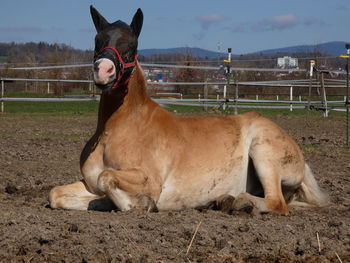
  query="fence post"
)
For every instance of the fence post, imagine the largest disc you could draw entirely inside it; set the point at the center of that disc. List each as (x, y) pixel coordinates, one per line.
(347, 46)
(291, 98)
(324, 96)
(236, 96)
(224, 105)
(205, 95)
(228, 74)
(312, 64)
(2, 95)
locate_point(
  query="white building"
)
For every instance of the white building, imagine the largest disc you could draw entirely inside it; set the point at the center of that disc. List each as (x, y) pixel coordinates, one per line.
(287, 62)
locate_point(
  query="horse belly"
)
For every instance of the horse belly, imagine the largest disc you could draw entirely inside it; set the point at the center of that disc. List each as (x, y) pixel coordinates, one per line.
(180, 192)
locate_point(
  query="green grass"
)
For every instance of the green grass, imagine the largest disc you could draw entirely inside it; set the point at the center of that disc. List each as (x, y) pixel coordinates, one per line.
(23, 94)
(179, 109)
(3, 59)
(51, 107)
(28, 95)
(80, 107)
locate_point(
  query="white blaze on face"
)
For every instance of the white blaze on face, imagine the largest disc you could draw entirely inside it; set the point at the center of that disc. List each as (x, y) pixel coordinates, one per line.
(104, 71)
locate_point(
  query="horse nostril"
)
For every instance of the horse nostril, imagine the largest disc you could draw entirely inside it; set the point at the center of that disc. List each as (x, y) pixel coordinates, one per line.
(110, 70)
(96, 66)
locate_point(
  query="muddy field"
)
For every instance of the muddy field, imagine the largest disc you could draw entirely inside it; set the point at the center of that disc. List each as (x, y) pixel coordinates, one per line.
(38, 152)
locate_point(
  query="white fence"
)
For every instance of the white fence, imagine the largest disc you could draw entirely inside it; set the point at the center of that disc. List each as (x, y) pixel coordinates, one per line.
(237, 102)
(224, 102)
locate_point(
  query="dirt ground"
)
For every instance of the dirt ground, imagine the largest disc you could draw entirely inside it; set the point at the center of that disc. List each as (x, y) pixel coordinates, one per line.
(39, 151)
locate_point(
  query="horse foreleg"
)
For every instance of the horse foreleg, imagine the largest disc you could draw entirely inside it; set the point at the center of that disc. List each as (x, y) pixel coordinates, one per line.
(129, 188)
(76, 197)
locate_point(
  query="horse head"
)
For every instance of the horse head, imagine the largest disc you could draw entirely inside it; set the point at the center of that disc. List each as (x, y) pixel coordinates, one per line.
(115, 49)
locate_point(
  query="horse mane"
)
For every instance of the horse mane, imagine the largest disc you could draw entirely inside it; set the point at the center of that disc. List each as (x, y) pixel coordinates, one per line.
(137, 88)
(123, 99)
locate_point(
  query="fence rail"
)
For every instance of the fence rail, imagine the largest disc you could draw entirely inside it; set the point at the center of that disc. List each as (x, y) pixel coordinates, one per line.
(278, 83)
(204, 102)
(176, 66)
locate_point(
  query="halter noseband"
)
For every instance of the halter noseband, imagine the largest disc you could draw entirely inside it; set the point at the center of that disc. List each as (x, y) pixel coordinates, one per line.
(122, 66)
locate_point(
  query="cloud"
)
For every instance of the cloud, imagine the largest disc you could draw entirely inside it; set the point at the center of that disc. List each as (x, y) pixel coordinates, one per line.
(239, 28)
(281, 22)
(87, 30)
(208, 20)
(310, 20)
(21, 29)
(57, 29)
(162, 18)
(199, 36)
(342, 7)
(29, 29)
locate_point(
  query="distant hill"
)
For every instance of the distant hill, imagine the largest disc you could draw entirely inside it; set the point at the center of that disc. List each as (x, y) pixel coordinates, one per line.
(195, 52)
(42, 52)
(332, 48)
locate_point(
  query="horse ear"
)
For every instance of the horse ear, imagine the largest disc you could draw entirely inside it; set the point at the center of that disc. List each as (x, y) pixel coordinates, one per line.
(99, 21)
(137, 22)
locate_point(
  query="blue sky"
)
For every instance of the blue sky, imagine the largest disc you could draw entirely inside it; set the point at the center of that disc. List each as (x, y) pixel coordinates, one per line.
(244, 25)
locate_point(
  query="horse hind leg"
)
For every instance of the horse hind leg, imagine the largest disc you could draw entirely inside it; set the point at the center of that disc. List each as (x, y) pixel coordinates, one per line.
(264, 190)
(77, 197)
(270, 178)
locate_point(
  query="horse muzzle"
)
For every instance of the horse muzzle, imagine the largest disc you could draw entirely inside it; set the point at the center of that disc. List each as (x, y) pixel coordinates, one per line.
(104, 72)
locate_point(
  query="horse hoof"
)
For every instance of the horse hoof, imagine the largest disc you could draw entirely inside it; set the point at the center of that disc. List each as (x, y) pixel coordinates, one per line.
(146, 203)
(244, 206)
(225, 203)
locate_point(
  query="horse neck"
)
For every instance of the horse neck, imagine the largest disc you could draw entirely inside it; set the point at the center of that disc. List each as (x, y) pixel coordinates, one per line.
(123, 100)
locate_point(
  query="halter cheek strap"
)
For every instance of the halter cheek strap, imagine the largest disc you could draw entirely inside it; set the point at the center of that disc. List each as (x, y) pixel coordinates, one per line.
(123, 67)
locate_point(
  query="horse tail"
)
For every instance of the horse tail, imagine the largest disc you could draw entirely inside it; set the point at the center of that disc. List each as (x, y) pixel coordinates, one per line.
(309, 193)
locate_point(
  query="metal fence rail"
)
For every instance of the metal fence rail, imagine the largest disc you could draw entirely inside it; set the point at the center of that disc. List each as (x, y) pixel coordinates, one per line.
(201, 102)
(279, 83)
(256, 101)
(50, 99)
(176, 66)
(164, 66)
(240, 103)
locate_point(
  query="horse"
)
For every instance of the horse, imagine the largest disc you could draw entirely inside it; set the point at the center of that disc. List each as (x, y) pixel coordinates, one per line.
(141, 156)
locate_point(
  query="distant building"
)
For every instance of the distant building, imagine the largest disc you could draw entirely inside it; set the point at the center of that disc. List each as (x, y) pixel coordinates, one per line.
(287, 62)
